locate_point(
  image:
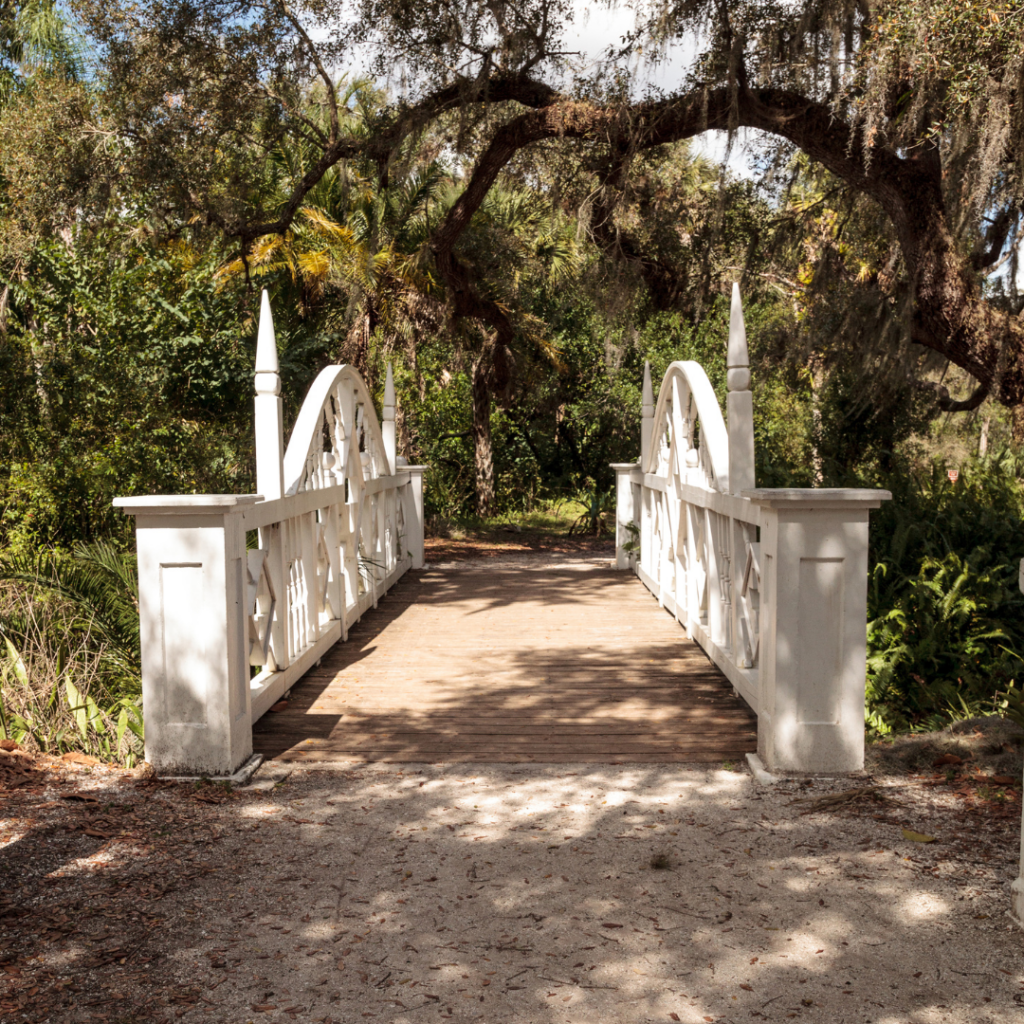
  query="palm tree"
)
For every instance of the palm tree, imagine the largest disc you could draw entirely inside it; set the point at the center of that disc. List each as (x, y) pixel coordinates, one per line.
(33, 37)
(364, 236)
(101, 584)
(366, 243)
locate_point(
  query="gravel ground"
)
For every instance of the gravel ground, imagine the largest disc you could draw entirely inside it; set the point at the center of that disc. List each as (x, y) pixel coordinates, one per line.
(606, 893)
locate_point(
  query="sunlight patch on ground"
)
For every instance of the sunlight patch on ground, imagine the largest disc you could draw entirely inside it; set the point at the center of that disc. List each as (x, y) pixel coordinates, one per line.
(922, 906)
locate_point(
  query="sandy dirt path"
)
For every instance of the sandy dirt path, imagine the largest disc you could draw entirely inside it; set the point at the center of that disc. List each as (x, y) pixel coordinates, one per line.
(594, 895)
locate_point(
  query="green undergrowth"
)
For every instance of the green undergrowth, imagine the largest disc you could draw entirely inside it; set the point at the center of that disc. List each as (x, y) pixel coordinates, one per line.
(945, 612)
(591, 514)
(69, 653)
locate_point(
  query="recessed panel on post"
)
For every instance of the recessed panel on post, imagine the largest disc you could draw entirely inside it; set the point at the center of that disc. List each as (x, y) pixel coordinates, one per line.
(820, 628)
(186, 668)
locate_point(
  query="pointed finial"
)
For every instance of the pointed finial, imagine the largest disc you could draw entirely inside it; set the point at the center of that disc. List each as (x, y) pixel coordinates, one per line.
(737, 361)
(266, 351)
(739, 402)
(648, 396)
(269, 429)
(389, 392)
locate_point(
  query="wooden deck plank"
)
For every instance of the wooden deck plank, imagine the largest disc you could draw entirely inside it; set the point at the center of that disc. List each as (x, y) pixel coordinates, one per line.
(513, 665)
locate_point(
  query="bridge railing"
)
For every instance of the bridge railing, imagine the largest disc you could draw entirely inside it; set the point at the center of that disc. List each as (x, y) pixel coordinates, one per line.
(240, 595)
(772, 583)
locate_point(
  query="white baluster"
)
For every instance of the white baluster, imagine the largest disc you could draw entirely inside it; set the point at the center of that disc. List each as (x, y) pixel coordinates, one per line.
(387, 426)
(647, 419)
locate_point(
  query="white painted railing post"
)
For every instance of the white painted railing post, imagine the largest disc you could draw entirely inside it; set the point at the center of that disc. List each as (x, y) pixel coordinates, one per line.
(814, 564)
(339, 522)
(647, 417)
(740, 402)
(771, 583)
(193, 621)
(269, 428)
(414, 514)
(627, 518)
(387, 425)
(1017, 887)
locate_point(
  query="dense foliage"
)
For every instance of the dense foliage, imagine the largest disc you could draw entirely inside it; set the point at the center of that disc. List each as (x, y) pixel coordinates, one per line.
(517, 300)
(946, 629)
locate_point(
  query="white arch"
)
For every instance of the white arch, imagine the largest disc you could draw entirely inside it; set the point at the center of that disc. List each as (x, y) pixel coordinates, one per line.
(687, 396)
(336, 427)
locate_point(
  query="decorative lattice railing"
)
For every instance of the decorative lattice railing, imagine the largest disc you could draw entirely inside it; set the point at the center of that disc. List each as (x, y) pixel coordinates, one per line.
(240, 595)
(772, 583)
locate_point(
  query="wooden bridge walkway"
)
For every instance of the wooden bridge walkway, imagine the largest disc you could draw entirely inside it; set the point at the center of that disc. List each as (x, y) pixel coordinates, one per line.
(538, 664)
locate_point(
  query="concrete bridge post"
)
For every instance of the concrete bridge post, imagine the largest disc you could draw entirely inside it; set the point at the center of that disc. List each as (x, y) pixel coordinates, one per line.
(813, 659)
(193, 617)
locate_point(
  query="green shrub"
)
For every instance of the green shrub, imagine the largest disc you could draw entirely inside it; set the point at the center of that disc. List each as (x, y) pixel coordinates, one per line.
(52, 695)
(69, 657)
(946, 616)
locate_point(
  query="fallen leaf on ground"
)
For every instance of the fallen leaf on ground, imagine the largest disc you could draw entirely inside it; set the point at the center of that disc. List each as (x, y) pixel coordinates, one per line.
(76, 757)
(947, 759)
(917, 837)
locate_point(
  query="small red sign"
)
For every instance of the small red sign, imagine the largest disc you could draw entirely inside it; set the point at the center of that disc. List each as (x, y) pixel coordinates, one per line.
(953, 474)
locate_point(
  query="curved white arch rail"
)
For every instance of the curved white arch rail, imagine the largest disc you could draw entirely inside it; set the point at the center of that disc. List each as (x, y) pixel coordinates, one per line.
(687, 398)
(336, 426)
(274, 579)
(771, 583)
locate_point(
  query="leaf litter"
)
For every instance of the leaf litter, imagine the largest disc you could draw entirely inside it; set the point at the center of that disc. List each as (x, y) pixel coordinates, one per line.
(129, 899)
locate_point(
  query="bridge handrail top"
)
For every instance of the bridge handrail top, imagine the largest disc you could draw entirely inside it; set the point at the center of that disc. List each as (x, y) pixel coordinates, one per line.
(817, 497)
(183, 504)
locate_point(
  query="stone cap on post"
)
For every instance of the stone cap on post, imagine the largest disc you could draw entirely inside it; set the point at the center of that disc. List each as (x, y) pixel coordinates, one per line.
(818, 497)
(169, 504)
(184, 504)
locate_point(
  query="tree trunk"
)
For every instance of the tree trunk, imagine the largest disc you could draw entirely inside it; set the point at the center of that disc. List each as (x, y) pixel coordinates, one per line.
(1017, 418)
(356, 349)
(482, 439)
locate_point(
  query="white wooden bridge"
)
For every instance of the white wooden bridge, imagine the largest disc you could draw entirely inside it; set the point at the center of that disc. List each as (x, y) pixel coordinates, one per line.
(243, 596)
